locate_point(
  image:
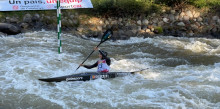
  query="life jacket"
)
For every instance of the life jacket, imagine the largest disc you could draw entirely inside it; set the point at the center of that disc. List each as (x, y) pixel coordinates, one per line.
(103, 66)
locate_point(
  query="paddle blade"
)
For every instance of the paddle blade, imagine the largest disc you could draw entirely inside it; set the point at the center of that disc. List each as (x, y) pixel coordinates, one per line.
(107, 35)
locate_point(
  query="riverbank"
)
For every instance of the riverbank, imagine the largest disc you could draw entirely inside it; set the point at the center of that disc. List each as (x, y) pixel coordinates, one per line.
(185, 22)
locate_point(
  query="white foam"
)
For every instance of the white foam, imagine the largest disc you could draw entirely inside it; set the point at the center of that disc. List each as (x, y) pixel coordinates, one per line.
(25, 59)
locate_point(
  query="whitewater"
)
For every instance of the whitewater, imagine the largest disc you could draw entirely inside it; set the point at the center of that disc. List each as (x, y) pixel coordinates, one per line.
(182, 73)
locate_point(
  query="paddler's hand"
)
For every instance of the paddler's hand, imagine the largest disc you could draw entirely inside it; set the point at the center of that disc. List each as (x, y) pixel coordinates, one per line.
(81, 65)
(96, 48)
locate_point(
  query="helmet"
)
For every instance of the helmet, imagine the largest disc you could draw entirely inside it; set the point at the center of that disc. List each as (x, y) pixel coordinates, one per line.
(103, 53)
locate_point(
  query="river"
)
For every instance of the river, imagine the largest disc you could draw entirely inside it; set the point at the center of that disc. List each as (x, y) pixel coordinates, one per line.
(183, 73)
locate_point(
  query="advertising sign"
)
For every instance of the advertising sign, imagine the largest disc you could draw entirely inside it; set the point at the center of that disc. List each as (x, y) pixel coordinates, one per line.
(16, 5)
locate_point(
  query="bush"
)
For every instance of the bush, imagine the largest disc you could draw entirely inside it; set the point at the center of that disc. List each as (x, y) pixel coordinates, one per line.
(123, 8)
(103, 6)
(130, 8)
(171, 2)
(197, 3)
(205, 3)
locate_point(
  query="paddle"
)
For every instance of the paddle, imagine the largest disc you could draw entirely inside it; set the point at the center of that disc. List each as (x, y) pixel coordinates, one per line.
(107, 35)
(139, 70)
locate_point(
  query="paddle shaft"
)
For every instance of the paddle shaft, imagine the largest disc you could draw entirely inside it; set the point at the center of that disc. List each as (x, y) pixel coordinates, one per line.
(88, 56)
(140, 70)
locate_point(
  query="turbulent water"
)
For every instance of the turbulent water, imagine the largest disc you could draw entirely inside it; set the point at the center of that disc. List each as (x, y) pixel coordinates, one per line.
(183, 73)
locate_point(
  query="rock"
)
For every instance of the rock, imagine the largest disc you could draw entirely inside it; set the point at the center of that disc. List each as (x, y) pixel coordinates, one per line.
(187, 22)
(163, 10)
(14, 20)
(177, 17)
(120, 32)
(114, 22)
(134, 31)
(76, 14)
(36, 18)
(181, 24)
(153, 14)
(7, 19)
(218, 21)
(155, 20)
(65, 22)
(152, 29)
(99, 28)
(214, 30)
(116, 35)
(24, 25)
(171, 17)
(165, 20)
(70, 22)
(172, 11)
(155, 24)
(144, 27)
(139, 22)
(191, 33)
(193, 12)
(194, 27)
(215, 18)
(198, 24)
(199, 19)
(95, 34)
(196, 15)
(75, 21)
(165, 15)
(149, 26)
(189, 14)
(27, 18)
(147, 30)
(101, 22)
(123, 37)
(120, 19)
(71, 16)
(9, 29)
(206, 20)
(182, 14)
(107, 22)
(139, 28)
(160, 23)
(129, 33)
(180, 18)
(194, 20)
(185, 18)
(80, 29)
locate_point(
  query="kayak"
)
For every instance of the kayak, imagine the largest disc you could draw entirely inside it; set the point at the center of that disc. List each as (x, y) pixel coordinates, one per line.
(86, 76)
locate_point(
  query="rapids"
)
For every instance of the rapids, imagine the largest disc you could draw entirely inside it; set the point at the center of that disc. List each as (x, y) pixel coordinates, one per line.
(183, 73)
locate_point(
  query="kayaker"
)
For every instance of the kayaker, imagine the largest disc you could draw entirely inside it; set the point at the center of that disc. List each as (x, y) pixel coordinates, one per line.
(103, 64)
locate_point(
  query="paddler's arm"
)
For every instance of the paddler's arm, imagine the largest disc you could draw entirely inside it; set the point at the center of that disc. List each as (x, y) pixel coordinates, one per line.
(90, 66)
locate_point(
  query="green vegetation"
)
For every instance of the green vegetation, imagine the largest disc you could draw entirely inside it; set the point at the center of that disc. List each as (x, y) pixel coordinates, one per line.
(127, 8)
(159, 29)
(123, 8)
(20, 14)
(206, 3)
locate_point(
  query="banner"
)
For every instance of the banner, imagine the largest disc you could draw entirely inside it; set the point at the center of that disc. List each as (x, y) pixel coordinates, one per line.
(17, 5)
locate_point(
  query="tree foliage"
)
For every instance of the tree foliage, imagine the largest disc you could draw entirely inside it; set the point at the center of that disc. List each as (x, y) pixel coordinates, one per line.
(123, 8)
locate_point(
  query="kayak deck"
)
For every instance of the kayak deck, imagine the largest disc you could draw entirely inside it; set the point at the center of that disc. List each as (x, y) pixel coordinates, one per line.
(86, 76)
